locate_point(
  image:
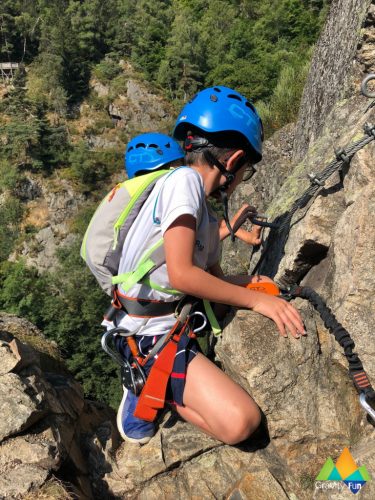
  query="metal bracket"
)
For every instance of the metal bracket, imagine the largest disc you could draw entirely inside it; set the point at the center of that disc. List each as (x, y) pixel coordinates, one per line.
(369, 129)
(342, 156)
(364, 89)
(315, 180)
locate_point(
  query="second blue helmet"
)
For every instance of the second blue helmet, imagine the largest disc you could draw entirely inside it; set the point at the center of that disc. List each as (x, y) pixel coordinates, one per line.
(150, 151)
(221, 109)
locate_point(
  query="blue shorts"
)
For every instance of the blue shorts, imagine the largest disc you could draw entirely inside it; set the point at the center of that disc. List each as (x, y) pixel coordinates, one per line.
(187, 349)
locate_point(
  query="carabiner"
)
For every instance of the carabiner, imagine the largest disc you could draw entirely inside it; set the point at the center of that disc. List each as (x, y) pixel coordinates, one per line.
(369, 409)
(106, 338)
(198, 313)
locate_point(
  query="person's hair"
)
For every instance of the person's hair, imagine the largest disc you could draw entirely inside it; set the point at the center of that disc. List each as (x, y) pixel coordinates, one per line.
(171, 164)
(220, 144)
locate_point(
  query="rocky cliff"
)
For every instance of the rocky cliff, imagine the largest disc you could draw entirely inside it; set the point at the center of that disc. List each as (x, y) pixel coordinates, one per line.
(311, 410)
(112, 113)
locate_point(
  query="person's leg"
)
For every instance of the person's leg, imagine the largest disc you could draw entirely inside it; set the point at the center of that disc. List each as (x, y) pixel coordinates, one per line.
(216, 404)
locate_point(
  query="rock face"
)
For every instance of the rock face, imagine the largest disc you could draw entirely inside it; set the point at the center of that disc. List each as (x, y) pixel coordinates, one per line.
(137, 108)
(302, 386)
(51, 207)
(44, 418)
(332, 64)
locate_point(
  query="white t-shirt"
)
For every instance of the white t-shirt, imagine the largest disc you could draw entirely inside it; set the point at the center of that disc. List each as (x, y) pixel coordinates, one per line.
(177, 193)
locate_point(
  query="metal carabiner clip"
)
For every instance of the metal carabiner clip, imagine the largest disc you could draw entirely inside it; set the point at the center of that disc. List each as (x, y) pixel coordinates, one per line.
(364, 89)
(198, 313)
(366, 406)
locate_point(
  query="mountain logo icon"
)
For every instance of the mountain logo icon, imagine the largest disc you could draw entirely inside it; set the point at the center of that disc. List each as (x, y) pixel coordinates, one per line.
(345, 470)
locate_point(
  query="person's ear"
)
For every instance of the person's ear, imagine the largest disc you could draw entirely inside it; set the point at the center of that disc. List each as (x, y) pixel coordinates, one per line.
(233, 159)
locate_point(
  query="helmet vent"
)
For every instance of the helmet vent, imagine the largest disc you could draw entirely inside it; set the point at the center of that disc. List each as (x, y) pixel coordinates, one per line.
(153, 146)
(192, 99)
(249, 105)
(217, 89)
(213, 98)
(168, 145)
(130, 149)
(234, 96)
(140, 145)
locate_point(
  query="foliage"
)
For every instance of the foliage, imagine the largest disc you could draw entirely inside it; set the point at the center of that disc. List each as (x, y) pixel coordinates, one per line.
(92, 167)
(10, 217)
(29, 138)
(182, 45)
(67, 305)
(107, 70)
(282, 108)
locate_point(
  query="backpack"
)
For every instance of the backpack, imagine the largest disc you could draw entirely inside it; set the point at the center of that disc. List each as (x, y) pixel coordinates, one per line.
(105, 235)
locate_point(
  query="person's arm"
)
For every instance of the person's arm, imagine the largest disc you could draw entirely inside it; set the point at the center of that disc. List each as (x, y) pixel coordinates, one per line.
(179, 243)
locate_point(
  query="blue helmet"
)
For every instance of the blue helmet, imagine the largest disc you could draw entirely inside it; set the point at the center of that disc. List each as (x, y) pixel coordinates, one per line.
(221, 109)
(150, 151)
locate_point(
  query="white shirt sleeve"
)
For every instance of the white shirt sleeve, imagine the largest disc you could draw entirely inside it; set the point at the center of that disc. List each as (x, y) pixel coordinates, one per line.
(181, 193)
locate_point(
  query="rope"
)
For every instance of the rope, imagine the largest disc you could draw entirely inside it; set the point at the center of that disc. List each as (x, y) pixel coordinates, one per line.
(342, 336)
(343, 157)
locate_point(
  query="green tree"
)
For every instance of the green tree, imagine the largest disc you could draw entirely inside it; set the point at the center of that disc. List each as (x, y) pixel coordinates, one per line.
(149, 44)
(180, 71)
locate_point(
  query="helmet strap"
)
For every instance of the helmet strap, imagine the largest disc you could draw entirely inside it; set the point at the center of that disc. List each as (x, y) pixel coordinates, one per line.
(215, 162)
(224, 201)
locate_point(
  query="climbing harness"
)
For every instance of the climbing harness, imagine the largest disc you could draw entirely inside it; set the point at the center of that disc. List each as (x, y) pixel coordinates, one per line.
(151, 389)
(132, 373)
(356, 370)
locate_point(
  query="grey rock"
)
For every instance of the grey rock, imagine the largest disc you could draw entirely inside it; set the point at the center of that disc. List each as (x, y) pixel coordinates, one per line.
(28, 189)
(8, 361)
(20, 405)
(22, 479)
(140, 108)
(101, 89)
(330, 69)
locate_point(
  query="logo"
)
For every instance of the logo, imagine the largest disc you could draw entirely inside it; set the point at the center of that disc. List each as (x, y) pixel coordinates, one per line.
(239, 112)
(199, 245)
(345, 470)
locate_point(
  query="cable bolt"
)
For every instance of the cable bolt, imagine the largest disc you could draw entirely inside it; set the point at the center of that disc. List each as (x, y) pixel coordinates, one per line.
(314, 179)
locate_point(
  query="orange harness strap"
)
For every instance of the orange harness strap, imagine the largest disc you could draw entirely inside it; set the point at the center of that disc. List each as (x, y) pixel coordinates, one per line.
(153, 394)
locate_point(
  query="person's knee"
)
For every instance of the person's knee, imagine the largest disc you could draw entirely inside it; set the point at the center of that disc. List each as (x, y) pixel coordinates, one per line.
(242, 426)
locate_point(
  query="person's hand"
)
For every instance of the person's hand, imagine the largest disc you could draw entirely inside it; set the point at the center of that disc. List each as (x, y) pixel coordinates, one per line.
(281, 312)
(252, 237)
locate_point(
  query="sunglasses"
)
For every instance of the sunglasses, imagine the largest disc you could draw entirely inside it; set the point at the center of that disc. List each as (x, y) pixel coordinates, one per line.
(249, 172)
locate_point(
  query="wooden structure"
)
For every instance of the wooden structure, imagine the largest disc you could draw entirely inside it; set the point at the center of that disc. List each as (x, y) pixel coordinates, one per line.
(7, 71)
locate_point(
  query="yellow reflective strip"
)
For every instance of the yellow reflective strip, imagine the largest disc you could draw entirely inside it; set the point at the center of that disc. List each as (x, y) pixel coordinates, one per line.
(146, 281)
(135, 277)
(212, 318)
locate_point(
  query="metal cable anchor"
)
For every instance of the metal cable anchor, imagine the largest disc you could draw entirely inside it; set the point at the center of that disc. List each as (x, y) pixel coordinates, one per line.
(314, 179)
(366, 92)
(341, 155)
(369, 129)
(364, 88)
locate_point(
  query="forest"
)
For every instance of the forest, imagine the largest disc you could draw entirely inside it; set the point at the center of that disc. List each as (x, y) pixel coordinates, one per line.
(261, 48)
